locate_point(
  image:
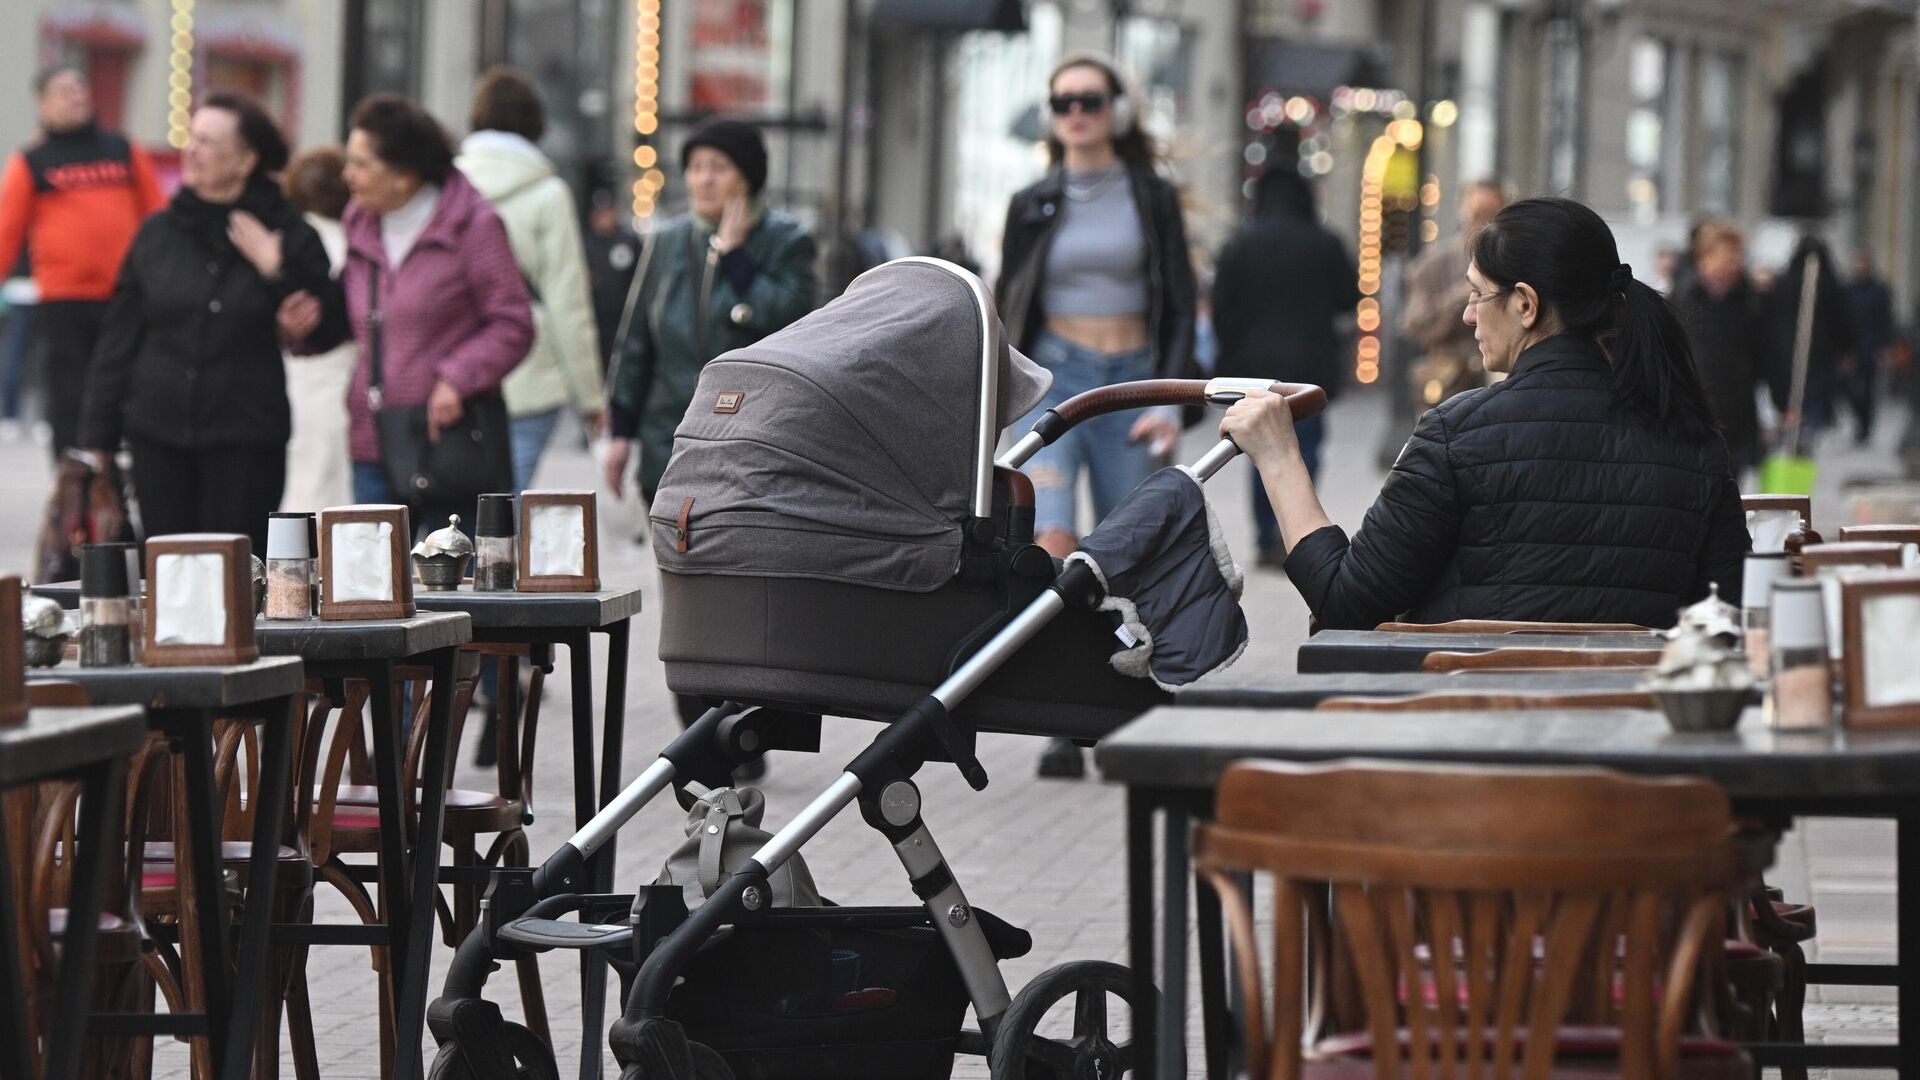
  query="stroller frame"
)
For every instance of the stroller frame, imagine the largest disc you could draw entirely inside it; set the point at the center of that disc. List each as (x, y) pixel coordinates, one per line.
(522, 907)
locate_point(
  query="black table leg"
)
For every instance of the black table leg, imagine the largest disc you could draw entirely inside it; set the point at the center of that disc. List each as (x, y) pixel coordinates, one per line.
(396, 903)
(1907, 906)
(209, 884)
(593, 971)
(613, 729)
(1140, 925)
(1175, 872)
(410, 990)
(100, 793)
(1215, 1021)
(263, 872)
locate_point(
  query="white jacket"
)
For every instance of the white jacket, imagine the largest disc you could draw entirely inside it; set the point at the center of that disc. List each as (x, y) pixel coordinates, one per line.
(563, 367)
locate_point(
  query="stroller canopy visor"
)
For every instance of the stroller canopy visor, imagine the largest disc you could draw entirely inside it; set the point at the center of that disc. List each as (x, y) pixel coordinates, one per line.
(851, 445)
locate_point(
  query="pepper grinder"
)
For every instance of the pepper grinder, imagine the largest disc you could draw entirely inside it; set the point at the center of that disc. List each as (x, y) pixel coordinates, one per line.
(494, 558)
(106, 611)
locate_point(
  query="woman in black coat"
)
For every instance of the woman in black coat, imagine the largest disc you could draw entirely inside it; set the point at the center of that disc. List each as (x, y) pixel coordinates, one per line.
(1726, 325)
(188, 369)
(1590, 486)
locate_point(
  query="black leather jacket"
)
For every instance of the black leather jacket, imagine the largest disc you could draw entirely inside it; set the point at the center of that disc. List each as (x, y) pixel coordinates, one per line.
(1539, 498)
(1033, 216)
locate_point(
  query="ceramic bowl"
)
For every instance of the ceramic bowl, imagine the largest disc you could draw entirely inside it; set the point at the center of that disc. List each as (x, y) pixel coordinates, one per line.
(1702, 710)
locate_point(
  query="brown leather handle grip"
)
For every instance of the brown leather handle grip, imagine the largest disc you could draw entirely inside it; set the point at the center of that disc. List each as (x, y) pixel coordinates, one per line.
(1303, 399)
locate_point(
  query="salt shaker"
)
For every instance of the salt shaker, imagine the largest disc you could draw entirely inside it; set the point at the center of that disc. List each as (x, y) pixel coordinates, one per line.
(494, 557)
(1756, 596)
(106, 609)
(289, 567)
(1802, 693)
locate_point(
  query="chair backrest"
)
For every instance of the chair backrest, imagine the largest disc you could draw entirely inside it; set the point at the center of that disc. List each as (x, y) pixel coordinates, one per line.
(1478, 910)
(1513, 626)
(1449, 699)
(1886, 534)
(1527, 659)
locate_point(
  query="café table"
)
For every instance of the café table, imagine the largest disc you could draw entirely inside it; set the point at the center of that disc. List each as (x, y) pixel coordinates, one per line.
(1285, 690)
(1400, 650)
(94, 745)
(1171, 758)
(541, 621)
(183, 704)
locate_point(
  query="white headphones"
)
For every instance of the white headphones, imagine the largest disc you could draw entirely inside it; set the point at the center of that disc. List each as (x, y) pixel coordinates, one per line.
(1121, 105)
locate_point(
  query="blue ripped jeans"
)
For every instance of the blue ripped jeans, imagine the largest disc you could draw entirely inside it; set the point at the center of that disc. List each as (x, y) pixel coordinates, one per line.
(1099, 447)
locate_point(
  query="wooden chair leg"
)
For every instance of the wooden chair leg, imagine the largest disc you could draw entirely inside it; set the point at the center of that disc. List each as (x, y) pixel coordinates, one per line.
(299, 1005)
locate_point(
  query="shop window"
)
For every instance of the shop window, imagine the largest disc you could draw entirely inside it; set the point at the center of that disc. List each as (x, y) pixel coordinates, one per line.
(1647, 82)
(1720, 116)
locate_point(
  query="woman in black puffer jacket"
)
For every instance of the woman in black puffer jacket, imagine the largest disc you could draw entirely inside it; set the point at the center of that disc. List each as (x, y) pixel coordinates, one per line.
(1590, 486)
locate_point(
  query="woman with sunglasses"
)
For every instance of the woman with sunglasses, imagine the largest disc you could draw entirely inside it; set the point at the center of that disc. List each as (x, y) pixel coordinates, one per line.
(1592, 485)
(1095, 284)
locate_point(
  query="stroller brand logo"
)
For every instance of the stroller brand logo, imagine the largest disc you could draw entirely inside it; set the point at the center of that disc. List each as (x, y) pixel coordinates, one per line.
(729, 401)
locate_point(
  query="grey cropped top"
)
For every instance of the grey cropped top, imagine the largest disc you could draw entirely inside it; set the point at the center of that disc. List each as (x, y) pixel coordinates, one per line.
(1097, 264)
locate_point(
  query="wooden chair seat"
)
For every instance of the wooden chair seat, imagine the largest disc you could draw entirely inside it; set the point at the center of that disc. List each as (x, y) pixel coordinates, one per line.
(1531, 659)
(118, 941)
(1580, 1053)
(468, 812)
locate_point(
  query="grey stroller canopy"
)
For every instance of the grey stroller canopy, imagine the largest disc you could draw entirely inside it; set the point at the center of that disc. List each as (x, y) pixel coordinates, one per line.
(854, 445)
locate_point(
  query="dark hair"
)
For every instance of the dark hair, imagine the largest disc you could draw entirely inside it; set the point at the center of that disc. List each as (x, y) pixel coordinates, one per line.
(45, 76)
(1282, 192)
(506, 100)
(1567, 254)
(314, 182)
(257, 130)
(406, 136)
(1134, 147)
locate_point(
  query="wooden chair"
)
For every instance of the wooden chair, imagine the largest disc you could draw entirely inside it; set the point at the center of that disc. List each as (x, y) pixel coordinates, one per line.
(1492, 922)
(1510, 626)
(1886, 534)
(1447, 699)
(1530, 659)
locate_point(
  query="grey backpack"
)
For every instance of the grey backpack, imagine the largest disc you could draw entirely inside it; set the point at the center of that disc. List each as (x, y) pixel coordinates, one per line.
(723, 832)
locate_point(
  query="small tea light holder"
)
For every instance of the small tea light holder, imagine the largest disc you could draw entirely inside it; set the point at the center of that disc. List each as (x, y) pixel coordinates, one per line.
(200, 600)
(1880, 619)
(363, 563)
(440, 559)
(559, 549)
(494, 551)
(13, 661)
(289, 566)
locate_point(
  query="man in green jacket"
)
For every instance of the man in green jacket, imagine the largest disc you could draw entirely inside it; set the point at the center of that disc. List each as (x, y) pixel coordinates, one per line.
(725, 275)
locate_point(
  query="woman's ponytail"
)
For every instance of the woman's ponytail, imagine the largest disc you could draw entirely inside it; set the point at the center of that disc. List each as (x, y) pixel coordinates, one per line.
(1653, 362)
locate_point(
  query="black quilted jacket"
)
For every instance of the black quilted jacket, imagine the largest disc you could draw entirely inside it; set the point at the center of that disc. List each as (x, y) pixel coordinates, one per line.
(1537, 498)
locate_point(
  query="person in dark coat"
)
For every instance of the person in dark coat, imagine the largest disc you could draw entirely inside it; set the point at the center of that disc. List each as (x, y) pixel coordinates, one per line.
(1279, 286)
(1831, 340)
(1591, 485)
(1870, 303)
(188, 369)
(1725, 321)
(613, 250)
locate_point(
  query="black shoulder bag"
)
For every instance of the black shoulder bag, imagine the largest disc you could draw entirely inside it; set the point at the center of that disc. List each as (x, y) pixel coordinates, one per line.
(471, 458)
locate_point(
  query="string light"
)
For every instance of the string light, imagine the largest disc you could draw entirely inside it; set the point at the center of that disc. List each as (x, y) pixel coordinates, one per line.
(1373, 174)
(646, 104)
(180, 75)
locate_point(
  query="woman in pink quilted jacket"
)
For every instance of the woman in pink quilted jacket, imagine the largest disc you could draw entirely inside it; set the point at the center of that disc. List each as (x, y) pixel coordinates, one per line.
(454, 313)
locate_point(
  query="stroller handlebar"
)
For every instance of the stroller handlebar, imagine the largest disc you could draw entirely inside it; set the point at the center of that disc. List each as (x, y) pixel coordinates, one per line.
(1303, 400)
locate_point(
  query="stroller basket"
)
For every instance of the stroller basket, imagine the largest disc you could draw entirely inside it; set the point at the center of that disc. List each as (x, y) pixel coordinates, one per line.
(850, 993)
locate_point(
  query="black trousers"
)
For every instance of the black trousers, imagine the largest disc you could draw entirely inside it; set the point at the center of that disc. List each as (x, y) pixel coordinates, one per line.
(227, 489)
(69, 329)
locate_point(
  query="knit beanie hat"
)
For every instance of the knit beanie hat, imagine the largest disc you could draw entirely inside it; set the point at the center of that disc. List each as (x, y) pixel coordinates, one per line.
(739, 140)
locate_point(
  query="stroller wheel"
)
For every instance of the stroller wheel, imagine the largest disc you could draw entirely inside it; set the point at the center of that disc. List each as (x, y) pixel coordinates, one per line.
(1037, 1041)
(532, 1059)
(707, 1065)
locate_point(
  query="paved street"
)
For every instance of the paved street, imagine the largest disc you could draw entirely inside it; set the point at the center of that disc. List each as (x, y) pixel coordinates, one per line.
(1046, 855)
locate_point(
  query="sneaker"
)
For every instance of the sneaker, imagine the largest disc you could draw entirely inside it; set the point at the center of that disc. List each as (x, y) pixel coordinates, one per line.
(1062, 761)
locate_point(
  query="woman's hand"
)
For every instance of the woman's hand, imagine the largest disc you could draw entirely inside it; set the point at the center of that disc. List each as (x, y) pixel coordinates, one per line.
(1158, 432)
(736, 220)
(1261, 425)
(444, 409)
(619, 451)
(299, 315)
(260, 245)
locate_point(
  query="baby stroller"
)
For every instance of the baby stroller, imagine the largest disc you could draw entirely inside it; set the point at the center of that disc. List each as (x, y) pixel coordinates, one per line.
(836, 538)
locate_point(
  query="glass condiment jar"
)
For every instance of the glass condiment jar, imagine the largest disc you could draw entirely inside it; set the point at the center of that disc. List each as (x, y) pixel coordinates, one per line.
(494, 557)
(289, 567)
(1801, 695)
(1756, 597)
(107, 612)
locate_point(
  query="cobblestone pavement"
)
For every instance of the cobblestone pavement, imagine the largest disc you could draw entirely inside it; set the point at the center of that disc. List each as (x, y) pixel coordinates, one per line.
(1047, 855)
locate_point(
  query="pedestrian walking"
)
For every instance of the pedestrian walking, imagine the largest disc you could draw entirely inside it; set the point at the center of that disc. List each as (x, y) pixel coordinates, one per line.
(317, 472)
(1726, 325)
(1280, 286)
(1436, 283)
(1097, 285)
(1830, 339)
(613, 251)
(727, 273)
(1591, 485)
(74, 197)
(1870, 303)
(188, 369)
(439, 310)
(562, 369)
